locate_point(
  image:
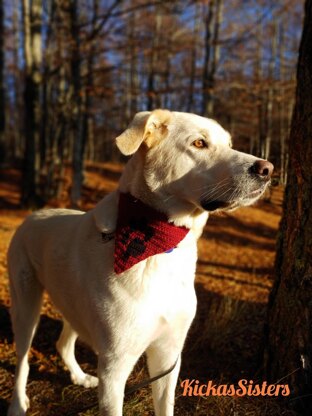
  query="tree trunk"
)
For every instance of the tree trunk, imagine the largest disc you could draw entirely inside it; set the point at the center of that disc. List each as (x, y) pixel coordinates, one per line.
(32, 18)
(78, 103)
(261, 101)
(2, 90)
(283, 116)
(18, 142)
(88, 135)
(289, 333)
(153, 98)
(193, 58)
(271, 94)
(213, 21)
(132, 70)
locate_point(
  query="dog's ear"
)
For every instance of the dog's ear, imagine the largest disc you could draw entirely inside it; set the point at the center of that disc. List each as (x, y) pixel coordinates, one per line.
(130, 140)
(146, 126)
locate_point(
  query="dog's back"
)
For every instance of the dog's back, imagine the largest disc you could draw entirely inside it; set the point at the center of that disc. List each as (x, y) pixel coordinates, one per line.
(30, 240)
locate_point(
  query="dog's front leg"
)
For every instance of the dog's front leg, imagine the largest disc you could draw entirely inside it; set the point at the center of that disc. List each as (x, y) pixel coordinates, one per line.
(113, 373)
(160, 358)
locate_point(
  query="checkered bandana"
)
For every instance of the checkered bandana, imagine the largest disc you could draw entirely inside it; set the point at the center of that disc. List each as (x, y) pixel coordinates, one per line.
(142, 232)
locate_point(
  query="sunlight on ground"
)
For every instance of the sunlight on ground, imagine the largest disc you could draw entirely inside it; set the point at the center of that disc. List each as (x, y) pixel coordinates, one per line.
(237, 250)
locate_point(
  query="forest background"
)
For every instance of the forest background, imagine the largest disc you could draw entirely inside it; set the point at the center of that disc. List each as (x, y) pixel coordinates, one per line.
(74, 72)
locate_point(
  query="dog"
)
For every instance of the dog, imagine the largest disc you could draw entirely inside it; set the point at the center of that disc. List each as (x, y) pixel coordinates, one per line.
(122, 274)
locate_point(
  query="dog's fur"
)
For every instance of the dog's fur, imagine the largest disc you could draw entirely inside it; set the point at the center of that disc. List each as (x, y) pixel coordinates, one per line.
(182, 165)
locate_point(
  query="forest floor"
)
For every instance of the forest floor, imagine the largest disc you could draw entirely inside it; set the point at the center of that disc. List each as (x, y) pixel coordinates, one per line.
(234, 278)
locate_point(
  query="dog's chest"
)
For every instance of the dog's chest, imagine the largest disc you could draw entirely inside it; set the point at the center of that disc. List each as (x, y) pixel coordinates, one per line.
(174, 283)
(163, 286)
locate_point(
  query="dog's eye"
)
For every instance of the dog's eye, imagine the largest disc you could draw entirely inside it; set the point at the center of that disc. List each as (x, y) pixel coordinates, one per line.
(199, 143)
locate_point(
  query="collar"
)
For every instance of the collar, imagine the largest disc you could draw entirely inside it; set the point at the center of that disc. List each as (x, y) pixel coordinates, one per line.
(142, 232)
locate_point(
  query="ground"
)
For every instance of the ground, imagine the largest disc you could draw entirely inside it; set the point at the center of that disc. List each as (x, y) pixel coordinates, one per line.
(234, 278)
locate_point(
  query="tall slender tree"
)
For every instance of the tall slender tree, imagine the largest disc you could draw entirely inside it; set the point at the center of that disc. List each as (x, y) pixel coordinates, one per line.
(78, 103)
(193, 59)
(213, 20)
(2, 90)
(32, 21)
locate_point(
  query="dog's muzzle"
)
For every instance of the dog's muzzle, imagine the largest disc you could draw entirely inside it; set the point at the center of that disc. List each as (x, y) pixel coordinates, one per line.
(259, 173)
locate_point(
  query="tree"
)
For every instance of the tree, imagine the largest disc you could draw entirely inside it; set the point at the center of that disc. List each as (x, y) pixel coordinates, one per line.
(78, 101)
(2, 102)
(213, 20)
(193, 59)
(32, 19)
(289, 333)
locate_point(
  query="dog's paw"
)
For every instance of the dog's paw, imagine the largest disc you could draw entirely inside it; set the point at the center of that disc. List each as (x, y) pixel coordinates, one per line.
(18, 407)
(86, 380)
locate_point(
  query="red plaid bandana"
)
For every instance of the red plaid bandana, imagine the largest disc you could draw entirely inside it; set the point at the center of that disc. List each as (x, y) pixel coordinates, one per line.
(142, 232)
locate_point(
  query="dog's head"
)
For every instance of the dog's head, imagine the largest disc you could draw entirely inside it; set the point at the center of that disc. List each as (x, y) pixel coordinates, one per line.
(191, 158)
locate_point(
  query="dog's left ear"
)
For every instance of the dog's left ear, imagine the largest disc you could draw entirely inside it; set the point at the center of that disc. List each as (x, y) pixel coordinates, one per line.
(148, 127)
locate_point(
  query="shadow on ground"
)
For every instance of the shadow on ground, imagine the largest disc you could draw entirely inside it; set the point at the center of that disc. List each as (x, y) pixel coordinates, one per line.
(47, 378)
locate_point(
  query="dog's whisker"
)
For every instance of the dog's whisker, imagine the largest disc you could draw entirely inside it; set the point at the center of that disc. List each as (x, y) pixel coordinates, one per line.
(207, 187)
(210, 193)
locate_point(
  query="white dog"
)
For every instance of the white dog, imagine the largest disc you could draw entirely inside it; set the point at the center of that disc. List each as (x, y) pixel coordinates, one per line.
(123, 273)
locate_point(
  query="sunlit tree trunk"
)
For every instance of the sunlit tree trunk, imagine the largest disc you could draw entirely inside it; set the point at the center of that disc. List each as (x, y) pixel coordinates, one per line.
(289, 335)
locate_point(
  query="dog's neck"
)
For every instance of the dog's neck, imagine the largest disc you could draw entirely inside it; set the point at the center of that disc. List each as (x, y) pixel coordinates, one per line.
(179, 212)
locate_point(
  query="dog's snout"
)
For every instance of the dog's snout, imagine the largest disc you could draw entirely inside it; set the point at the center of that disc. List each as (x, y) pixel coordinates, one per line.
(262, 168)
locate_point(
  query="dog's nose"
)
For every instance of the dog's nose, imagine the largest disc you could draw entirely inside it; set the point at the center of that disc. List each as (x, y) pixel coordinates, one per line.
(262, 168)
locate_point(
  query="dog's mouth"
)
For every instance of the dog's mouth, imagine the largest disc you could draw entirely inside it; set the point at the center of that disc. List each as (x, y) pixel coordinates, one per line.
(243, 199)
(256, 193)
(214, 205)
